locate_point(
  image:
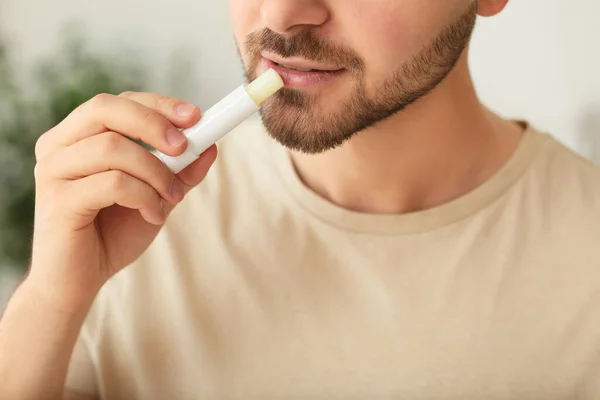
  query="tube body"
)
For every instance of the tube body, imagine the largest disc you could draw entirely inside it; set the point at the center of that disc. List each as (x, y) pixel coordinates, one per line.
(216, 122)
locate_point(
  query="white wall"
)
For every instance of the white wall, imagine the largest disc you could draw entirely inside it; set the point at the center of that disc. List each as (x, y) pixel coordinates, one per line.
(539, 60)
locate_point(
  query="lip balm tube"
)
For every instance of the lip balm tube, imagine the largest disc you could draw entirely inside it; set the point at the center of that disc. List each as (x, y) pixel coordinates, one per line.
(223, 117)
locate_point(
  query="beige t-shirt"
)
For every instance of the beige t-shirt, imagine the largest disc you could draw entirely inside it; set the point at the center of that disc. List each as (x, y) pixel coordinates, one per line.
(257, 288)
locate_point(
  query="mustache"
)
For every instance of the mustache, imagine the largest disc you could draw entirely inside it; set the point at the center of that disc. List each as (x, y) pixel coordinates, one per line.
(307, 44)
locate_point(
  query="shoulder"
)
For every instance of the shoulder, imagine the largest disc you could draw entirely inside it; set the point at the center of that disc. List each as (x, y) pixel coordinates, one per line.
(560, 196)
(566, 178)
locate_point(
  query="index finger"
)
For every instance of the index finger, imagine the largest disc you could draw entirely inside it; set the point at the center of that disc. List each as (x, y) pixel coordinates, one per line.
(180, 113)
(107, 112)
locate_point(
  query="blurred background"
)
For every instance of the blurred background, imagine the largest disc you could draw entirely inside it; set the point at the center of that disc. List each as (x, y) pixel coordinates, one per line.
(537, 61)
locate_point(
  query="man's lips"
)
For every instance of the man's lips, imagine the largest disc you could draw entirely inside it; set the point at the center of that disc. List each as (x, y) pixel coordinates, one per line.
(301, 64)
(299, 73)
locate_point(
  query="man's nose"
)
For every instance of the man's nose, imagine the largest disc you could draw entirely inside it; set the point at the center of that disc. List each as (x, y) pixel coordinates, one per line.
(288, 17)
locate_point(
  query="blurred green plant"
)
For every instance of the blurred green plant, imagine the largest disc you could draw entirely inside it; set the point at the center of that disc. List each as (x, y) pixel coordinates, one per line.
(60, 84)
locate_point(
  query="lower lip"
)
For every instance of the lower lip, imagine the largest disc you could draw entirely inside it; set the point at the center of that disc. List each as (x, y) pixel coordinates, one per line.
(297, 79)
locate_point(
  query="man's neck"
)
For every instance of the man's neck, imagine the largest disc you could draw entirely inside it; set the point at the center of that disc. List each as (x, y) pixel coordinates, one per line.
(438, 149)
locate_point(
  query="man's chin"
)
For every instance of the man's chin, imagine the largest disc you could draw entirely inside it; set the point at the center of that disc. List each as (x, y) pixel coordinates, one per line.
(300, 130)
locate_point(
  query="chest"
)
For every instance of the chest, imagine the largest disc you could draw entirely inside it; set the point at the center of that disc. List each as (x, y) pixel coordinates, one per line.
(361, 324)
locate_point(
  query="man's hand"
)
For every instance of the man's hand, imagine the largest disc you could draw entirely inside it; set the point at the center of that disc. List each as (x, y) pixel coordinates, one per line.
(100, 201)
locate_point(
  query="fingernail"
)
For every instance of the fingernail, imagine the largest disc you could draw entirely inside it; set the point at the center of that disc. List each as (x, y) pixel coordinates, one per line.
(185, 109)
(174, 137)
(176, 189)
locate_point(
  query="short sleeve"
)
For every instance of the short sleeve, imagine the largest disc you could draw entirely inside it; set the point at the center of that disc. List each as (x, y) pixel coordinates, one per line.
(81, 376)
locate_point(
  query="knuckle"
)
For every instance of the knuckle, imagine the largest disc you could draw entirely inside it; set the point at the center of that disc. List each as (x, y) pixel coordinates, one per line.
(38, 171)
(118, 181)
(149, 116)
(127, 94)
(163, 102)
(163, 176)
(153, 120)
(100, 100)
(111, 142)
(40, 147)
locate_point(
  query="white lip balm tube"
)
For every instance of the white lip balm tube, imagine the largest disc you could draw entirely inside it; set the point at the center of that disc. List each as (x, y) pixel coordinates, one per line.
(220, 119)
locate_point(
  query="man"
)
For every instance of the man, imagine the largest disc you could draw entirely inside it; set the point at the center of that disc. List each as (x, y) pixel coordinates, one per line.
(396, 239)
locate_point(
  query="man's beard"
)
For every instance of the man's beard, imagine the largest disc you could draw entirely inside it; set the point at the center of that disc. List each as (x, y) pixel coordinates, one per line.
(293, 118)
